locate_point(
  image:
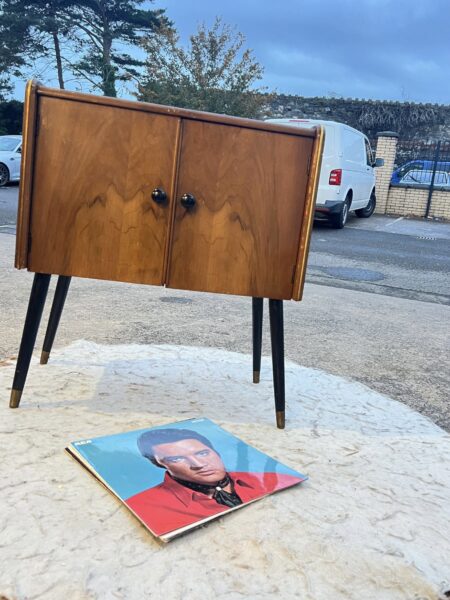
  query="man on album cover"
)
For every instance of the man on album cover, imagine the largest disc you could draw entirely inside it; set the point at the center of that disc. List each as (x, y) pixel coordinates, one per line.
(196, 484)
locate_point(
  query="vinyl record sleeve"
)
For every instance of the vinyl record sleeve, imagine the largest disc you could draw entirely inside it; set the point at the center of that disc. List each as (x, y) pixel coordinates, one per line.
(178, 476)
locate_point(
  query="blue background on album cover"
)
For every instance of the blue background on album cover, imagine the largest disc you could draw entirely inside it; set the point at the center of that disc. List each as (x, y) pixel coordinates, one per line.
(117, 460)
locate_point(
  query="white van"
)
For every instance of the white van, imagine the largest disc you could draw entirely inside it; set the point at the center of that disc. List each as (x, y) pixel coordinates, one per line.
(347, 178)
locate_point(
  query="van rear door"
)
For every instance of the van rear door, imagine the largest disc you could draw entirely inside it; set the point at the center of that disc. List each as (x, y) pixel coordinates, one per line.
(359, 173)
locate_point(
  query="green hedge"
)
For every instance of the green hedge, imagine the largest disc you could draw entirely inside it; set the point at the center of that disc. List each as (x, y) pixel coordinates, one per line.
(11, 117)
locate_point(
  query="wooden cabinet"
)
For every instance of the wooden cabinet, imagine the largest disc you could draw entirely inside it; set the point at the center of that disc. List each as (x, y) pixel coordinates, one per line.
(143, 193)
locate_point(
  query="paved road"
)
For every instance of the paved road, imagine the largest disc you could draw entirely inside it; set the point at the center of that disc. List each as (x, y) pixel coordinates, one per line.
(396, 257)
(406, 258)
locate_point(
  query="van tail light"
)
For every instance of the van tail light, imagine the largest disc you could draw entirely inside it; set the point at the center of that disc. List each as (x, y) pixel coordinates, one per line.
(335, 177)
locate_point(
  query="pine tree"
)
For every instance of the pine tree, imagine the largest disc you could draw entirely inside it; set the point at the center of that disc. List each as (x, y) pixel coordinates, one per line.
(78, 36)
(104, 24)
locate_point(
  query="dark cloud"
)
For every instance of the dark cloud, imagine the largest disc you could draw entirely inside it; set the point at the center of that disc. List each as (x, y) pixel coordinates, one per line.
(386, 49)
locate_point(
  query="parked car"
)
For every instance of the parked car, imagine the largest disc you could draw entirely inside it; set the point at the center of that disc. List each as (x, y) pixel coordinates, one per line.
(10, 156)
(418, 165)
(423, 179)
(347, 177)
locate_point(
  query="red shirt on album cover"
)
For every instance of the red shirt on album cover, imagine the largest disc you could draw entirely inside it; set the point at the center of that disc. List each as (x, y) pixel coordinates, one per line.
(170, 505)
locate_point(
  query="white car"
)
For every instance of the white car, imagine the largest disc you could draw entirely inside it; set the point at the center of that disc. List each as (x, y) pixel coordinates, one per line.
(10, 156)
(347, 177)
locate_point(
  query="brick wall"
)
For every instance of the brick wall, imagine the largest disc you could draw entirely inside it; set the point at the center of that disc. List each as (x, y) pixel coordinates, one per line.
(386, 149)
(413, 202)
(407, 201)
(440, 205)
(404, 201)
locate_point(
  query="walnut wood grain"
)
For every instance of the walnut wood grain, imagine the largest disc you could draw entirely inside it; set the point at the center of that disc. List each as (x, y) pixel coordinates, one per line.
(242, 236)
(184, 113)
(92, 212)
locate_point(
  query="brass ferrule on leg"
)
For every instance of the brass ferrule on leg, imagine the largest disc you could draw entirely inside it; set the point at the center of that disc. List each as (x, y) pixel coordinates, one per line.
(44, 357)
(280, 419)
(14, 400)
(256, 376)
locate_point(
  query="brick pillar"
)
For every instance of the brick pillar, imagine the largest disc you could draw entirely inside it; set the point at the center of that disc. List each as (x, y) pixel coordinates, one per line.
(387, 149)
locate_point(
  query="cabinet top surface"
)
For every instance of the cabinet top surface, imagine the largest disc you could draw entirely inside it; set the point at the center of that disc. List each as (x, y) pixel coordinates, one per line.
(171, 110)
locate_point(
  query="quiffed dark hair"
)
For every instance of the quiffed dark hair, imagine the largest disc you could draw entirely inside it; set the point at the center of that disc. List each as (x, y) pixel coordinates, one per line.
(146, 441)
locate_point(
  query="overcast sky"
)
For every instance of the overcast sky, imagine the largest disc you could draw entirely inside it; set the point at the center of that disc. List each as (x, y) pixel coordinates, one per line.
(380, 49)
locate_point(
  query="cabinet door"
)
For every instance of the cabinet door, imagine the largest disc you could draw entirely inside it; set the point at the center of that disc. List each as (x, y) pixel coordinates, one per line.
(92, 212)
(242, 235)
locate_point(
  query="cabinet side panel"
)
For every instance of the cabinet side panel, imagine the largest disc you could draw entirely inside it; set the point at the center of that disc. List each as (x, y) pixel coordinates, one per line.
(26, 169)
(242, 235)
(92, 212)
(311, 194)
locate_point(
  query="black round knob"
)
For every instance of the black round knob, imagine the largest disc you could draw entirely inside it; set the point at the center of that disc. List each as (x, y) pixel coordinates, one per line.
(159, 195)
(187, 200)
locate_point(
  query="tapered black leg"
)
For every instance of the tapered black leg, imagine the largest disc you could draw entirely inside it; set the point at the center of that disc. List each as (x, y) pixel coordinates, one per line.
(257, 321)
(55, 314)
(277, 339)
(30, 329)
